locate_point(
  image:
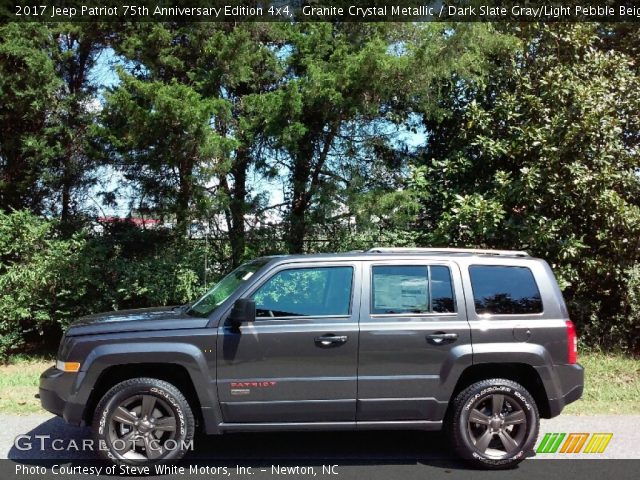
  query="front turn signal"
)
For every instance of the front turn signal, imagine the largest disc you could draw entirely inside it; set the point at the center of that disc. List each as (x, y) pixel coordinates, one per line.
(69, 367)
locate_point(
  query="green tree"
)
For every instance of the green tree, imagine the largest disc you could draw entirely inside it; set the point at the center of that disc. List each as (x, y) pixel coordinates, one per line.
(77, 50)
(160, 134)
(225, 66)
(46, 96)
(337, 75)
(544, 157)
(356, 95)
(29, 87)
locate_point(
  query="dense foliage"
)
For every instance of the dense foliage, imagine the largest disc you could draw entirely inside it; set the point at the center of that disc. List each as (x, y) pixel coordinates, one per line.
(253, 139)
(47, 281)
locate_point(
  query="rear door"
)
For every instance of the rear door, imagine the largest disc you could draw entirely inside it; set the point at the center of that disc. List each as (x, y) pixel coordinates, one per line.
(298, 361)
(413, 327)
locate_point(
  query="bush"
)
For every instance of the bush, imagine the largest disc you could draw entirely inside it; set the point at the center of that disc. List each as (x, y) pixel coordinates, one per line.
(133, 268)
(38, 289)
(47, 281)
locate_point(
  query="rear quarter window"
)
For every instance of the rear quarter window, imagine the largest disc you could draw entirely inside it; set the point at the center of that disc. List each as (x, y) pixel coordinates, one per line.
(504, 290)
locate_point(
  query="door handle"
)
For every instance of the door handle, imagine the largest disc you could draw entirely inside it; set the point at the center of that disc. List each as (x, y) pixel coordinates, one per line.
(441, 338)
(330, 340)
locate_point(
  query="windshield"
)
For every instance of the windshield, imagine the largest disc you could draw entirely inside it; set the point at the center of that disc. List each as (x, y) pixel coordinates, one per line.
(224, 288)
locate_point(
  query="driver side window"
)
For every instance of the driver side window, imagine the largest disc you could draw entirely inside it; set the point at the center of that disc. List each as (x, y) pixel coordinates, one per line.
(305, 292)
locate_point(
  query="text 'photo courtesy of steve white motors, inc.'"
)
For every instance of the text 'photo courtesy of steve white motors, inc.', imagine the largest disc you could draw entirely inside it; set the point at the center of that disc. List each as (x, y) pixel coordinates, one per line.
(206, 471)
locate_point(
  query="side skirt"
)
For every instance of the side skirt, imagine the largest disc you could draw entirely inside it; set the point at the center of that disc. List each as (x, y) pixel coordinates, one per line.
(324, 426)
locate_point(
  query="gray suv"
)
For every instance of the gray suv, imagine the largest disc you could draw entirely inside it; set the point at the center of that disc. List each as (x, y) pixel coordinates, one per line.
(477, 342)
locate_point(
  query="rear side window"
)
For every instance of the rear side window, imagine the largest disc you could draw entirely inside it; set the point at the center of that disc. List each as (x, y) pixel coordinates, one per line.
(411, 289)
(504, 290)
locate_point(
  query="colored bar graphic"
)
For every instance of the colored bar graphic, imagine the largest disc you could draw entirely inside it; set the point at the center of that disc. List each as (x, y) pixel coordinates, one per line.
(598, 442)
(557, 443)
(543, 443)
(550, 443)
(574, 442)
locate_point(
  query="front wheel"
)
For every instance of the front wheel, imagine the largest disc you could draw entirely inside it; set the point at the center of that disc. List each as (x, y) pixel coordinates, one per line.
(494, 423)
(143, 421)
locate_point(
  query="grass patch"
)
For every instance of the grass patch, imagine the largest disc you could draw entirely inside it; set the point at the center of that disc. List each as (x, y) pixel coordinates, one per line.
(19, 383)
(612, 384)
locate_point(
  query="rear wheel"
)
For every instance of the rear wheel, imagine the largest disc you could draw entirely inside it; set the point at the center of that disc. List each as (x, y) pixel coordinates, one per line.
(143, 421)
(494, 423)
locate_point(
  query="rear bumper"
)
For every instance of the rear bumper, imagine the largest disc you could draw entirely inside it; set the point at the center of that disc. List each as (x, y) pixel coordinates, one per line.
(55, 395)
(569, 388)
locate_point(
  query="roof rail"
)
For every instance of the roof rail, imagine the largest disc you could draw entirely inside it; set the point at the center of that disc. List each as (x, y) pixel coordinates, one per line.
(473, 251)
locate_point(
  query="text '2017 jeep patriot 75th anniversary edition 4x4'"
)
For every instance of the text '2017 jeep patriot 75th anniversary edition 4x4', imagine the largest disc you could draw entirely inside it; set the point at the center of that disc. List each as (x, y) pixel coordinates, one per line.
(476, 341)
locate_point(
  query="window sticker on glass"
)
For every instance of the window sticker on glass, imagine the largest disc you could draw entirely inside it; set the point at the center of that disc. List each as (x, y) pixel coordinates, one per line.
(412, 289)
(400, 289)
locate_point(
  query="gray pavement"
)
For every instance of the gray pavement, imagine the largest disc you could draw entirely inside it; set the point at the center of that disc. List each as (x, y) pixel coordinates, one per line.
(393, 447)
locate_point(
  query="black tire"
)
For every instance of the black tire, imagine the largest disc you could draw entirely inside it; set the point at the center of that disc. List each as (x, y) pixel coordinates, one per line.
(143, 421)
(494, 440)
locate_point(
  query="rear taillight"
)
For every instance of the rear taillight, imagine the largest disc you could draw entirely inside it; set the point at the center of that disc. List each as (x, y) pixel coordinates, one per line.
(572, 343)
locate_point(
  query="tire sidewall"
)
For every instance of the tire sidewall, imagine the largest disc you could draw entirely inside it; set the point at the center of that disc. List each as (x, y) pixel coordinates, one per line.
(515, 394)
(161, 390)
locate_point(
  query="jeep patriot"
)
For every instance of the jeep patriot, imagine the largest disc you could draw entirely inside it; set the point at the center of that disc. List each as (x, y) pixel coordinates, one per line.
(477, 342)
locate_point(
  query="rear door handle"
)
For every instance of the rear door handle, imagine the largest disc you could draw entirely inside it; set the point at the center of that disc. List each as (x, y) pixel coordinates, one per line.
(330, 340)
(441, 338)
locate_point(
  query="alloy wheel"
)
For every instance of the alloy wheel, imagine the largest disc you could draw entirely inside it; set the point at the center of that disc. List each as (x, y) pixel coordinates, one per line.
(497, 426)
(140, 427)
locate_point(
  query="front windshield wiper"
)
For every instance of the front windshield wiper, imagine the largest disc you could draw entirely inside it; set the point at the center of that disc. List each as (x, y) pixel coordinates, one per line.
(185, 307)
(193, 313)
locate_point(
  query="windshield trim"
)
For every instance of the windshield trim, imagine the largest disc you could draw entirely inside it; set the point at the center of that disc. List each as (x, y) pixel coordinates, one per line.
(257, 264)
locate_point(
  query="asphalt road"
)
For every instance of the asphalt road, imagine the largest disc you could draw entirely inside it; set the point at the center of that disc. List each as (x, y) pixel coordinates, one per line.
(377, 455)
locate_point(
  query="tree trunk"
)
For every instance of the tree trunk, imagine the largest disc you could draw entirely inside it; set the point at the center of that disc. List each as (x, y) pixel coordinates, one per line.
(184, 198)
(306, 181)
(66, 201)
(10, 197)
(237, 206)
(67, 183)
(300, 198)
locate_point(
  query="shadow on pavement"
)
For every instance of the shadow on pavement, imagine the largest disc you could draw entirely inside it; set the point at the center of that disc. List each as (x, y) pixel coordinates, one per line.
(254, 449)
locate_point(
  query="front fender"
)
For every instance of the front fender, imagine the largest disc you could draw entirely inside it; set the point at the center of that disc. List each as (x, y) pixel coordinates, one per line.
(185, 355)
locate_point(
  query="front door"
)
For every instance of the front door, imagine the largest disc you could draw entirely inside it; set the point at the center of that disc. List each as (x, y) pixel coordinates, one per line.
(298, 361)
(413, 328)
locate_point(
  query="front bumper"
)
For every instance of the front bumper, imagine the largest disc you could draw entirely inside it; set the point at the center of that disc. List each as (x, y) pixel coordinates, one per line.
(55, 392)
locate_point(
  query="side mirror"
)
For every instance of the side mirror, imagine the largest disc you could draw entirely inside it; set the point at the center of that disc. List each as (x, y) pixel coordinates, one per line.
(243, 311)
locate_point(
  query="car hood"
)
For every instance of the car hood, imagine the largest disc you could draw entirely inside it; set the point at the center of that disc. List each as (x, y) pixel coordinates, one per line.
(143, 319)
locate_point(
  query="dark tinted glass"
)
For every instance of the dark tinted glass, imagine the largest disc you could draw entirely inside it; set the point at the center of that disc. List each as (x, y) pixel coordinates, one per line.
(504, 290)
(441, 290)
(305, 292)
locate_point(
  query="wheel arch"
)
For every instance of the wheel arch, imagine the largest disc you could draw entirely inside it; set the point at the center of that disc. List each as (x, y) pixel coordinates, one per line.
(175, 374)
(181, 364)
(522, 373)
